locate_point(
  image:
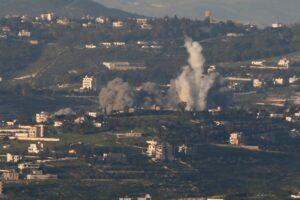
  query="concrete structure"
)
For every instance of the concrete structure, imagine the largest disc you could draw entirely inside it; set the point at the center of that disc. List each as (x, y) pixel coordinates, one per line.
(119, 44)
(97, 124)
(258, 62)
(101, 20)
(114, 157)
(39, 139)
(24, 33)
(38, 175)
(293, 79)
(10, 158)
(141, 21)
(146, 26)
(88, 83)
(129, 135)
(47, 16)
(23, 166)
(160, 152)
(276, 115)
(208, 14)
(90, 46)
(92, 114)
(1, 188)
(63, 22)
(295, 196)
(151, 148)
(122, 66)
(58, 123)
(257, 83)
(79, 120)
(144, 197)
(106, 44)
(42, 117)
(23, 131)
(35, 148)
(10, 175)
(33, 42)
(183, 149)
(278, 81)
(277, 25)
(117, 24)
(284, 62)
(236, 138)
(11, 123)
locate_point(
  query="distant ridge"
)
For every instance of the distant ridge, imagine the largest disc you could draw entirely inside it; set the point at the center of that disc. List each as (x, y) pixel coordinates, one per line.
(67, 8)
(261, 12)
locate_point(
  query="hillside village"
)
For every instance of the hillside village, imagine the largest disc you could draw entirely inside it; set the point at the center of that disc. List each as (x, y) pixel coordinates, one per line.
(55, 133)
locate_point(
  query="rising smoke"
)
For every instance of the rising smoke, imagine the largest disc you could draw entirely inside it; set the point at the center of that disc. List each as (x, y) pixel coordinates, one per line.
(192, 90)
(117, 95)
(64, 111)
(192, 85)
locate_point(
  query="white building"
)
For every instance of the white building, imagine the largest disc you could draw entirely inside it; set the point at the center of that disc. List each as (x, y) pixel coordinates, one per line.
(106, 44)
(24, 33)
(47, 16)
(97, 124)
(63, 22)
(119, 44)
(58, 123)
(159, 151)
(144, 197)
(141, 21)
(295, 196)
(293, 79)
(284, 62)
(278, 81)
(257, 83)
(118, 24)
(101, 20)
(42, 117)
(12, 158)
(35, 148)
(88, 83)
(122, 66)
(36, 131)
(92, 114)
(11, 123)
(277, 25)
(79, 120)
(258, 62)
(90, 46)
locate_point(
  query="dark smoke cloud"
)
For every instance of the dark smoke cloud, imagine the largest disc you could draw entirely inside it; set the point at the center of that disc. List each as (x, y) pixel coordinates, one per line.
(117, 95)
(192, 90)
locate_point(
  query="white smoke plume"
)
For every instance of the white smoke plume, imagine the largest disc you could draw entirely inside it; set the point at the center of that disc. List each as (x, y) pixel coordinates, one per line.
(192, 85)
(116, 96)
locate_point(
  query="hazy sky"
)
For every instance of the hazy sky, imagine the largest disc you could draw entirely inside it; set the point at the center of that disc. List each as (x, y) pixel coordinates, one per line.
(262, 12)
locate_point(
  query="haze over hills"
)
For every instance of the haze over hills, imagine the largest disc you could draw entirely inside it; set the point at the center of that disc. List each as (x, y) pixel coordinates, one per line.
(68, 8)
(262, 12)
